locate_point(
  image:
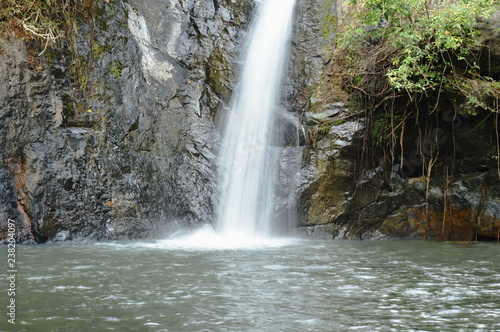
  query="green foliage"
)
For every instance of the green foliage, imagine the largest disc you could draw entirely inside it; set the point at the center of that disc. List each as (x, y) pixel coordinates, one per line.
(100, 50)
(116, 68)
(405, 60)
(430, 39)
(79, 69)
(325, 130)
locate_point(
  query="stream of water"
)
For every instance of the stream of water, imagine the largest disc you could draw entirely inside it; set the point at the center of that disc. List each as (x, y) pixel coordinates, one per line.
(247, 163)
(279, 285)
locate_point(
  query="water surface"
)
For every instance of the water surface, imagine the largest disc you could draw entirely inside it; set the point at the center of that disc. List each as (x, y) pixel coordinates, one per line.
(282, 285)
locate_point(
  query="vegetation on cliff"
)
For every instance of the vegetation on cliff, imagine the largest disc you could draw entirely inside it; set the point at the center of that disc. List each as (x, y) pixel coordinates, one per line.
(407, 60)
(419, 70)
(53, 24)
(46, 20)
(430, 45)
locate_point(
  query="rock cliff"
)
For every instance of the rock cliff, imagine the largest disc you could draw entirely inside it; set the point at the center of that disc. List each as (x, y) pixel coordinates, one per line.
(113, 133)
(456, 195)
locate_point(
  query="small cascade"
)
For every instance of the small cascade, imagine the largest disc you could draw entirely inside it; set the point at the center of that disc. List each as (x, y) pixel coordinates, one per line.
(246, 159)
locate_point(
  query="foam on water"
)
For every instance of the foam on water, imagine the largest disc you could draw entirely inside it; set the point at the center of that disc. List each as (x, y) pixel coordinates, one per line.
(207, 238)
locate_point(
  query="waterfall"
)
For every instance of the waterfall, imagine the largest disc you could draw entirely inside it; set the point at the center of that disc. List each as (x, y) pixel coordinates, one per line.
(247, 165)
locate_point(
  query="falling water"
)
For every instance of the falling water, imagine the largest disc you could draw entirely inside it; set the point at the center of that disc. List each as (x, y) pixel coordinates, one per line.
(247, 166)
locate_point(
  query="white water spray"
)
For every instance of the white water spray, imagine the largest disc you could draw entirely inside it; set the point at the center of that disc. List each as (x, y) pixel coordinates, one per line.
(247, 167)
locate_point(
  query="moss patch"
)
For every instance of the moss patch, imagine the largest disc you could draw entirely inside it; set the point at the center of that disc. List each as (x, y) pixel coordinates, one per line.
(115, 69)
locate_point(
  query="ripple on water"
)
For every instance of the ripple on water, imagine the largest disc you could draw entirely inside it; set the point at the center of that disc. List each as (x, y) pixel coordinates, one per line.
(299, 286)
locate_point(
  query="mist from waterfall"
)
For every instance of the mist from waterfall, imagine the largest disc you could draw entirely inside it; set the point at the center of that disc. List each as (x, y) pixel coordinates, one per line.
(247, 165)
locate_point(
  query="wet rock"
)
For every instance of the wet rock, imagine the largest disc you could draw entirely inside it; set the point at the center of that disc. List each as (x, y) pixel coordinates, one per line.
(340, 199)
(116, 138)
(314, 118)
(324, 196)
(384, 205)
(313, 41)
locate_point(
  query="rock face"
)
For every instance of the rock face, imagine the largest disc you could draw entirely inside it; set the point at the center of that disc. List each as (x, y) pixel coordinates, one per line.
(114, 136)
(462, 204)
(311, 50)
(460, 200)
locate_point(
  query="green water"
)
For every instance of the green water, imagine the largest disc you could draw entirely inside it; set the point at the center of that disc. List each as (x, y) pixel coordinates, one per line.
(284, 286)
